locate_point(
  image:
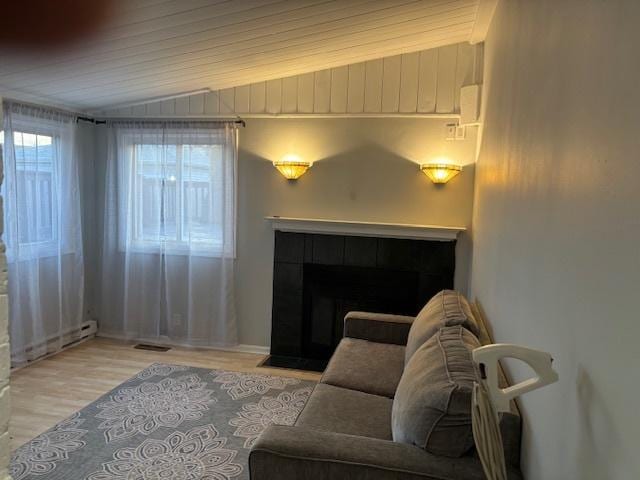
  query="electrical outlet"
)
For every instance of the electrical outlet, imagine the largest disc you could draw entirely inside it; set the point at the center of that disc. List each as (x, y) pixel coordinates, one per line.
(176, 320)
(450, 131)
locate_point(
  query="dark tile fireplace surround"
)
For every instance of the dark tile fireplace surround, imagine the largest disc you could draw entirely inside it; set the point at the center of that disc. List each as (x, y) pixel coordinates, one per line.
(318, 278)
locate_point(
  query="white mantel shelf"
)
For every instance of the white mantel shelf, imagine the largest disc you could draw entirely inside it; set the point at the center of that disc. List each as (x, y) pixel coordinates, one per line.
(365, 229)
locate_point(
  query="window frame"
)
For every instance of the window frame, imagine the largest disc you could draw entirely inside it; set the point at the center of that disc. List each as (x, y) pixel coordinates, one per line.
(44, 248)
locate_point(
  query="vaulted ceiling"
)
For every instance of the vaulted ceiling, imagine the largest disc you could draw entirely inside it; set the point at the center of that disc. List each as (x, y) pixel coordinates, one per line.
(157, 48)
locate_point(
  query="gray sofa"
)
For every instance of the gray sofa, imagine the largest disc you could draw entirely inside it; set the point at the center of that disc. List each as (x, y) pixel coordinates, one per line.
(393, 403)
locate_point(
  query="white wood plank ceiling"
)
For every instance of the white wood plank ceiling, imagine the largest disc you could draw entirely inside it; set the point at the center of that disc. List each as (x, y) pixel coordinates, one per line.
(418, 83)
(159, 48)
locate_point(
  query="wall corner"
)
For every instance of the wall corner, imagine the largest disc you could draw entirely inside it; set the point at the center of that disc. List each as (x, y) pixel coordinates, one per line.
(5, 360)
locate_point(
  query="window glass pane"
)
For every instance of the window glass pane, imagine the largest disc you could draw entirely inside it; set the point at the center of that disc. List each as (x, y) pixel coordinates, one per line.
(155, 194)
(34, 187)
(177, 195)
(170, 206)
(202, 187)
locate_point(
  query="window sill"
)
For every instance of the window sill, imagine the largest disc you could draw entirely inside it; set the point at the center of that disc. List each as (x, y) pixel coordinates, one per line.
(23, 254)
(176, 251)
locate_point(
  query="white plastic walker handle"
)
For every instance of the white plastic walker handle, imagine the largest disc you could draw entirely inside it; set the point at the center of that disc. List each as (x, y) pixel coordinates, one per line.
(487, 359)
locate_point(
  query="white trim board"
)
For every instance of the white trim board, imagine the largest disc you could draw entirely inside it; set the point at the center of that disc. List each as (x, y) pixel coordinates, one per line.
(240, 116)
(365, 229)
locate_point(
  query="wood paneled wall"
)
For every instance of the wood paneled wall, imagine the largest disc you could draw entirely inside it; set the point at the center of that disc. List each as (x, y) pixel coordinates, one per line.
(426, 82)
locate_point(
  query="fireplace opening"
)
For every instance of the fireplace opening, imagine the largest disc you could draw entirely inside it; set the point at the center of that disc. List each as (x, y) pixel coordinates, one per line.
(332, 291)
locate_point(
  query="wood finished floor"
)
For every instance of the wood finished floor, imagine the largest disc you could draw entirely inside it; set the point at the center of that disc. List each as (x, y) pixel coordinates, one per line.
(49, 391)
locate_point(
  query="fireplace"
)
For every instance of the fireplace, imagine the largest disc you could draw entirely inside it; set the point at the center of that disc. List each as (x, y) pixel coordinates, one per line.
(319, 277)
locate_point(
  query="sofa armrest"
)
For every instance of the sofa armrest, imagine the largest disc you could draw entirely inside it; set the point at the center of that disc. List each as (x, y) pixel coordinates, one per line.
(284, 452)
(378, 327)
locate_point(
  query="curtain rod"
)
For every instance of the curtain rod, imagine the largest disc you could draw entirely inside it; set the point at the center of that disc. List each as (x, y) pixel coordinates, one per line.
(237, 120)
(84, 118)
(90, 120)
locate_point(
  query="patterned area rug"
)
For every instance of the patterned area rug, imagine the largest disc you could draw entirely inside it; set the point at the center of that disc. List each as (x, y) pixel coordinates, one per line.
(167, 422)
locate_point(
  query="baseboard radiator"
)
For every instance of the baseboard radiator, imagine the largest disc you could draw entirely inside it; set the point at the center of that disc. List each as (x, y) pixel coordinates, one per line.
(55, 343)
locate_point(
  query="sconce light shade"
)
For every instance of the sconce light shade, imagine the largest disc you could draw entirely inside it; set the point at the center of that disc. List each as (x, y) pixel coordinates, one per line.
(440, 172)
(292, 167)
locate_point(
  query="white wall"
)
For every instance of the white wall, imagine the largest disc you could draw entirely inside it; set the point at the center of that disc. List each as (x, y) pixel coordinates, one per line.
(556, 258)
(364, 169)
(86, 144)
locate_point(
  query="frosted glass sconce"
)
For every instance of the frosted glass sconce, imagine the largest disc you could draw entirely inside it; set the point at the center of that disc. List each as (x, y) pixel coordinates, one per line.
(440, 172)
(292, 167)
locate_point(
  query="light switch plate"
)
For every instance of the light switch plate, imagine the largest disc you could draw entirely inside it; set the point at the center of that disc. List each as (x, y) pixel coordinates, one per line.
(450, 131)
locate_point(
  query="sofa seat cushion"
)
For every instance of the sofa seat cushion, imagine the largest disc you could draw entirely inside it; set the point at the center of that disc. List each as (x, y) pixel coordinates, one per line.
(432, 407)
(445, 309)
(369, 367)
(293, 453)
(340, 410)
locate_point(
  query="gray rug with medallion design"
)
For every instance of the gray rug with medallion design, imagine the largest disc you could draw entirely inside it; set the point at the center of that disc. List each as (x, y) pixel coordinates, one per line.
(167, 422)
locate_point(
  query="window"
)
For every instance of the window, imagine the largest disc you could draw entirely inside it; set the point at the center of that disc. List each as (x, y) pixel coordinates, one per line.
(176, 198)
(35, 189)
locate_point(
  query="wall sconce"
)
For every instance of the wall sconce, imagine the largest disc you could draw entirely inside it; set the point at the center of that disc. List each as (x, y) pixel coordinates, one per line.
(292, 167)
(440, 172)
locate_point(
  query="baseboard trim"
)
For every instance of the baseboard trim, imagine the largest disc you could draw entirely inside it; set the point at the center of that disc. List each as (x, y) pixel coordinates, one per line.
(240, 348)
(245, 348)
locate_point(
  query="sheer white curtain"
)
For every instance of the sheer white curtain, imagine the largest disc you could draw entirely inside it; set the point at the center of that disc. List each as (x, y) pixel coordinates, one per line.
(169, 233)
(42, 230)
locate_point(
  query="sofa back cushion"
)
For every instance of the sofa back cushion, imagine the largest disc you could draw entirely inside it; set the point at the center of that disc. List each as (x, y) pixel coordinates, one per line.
(445, 309)
(432, 405)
